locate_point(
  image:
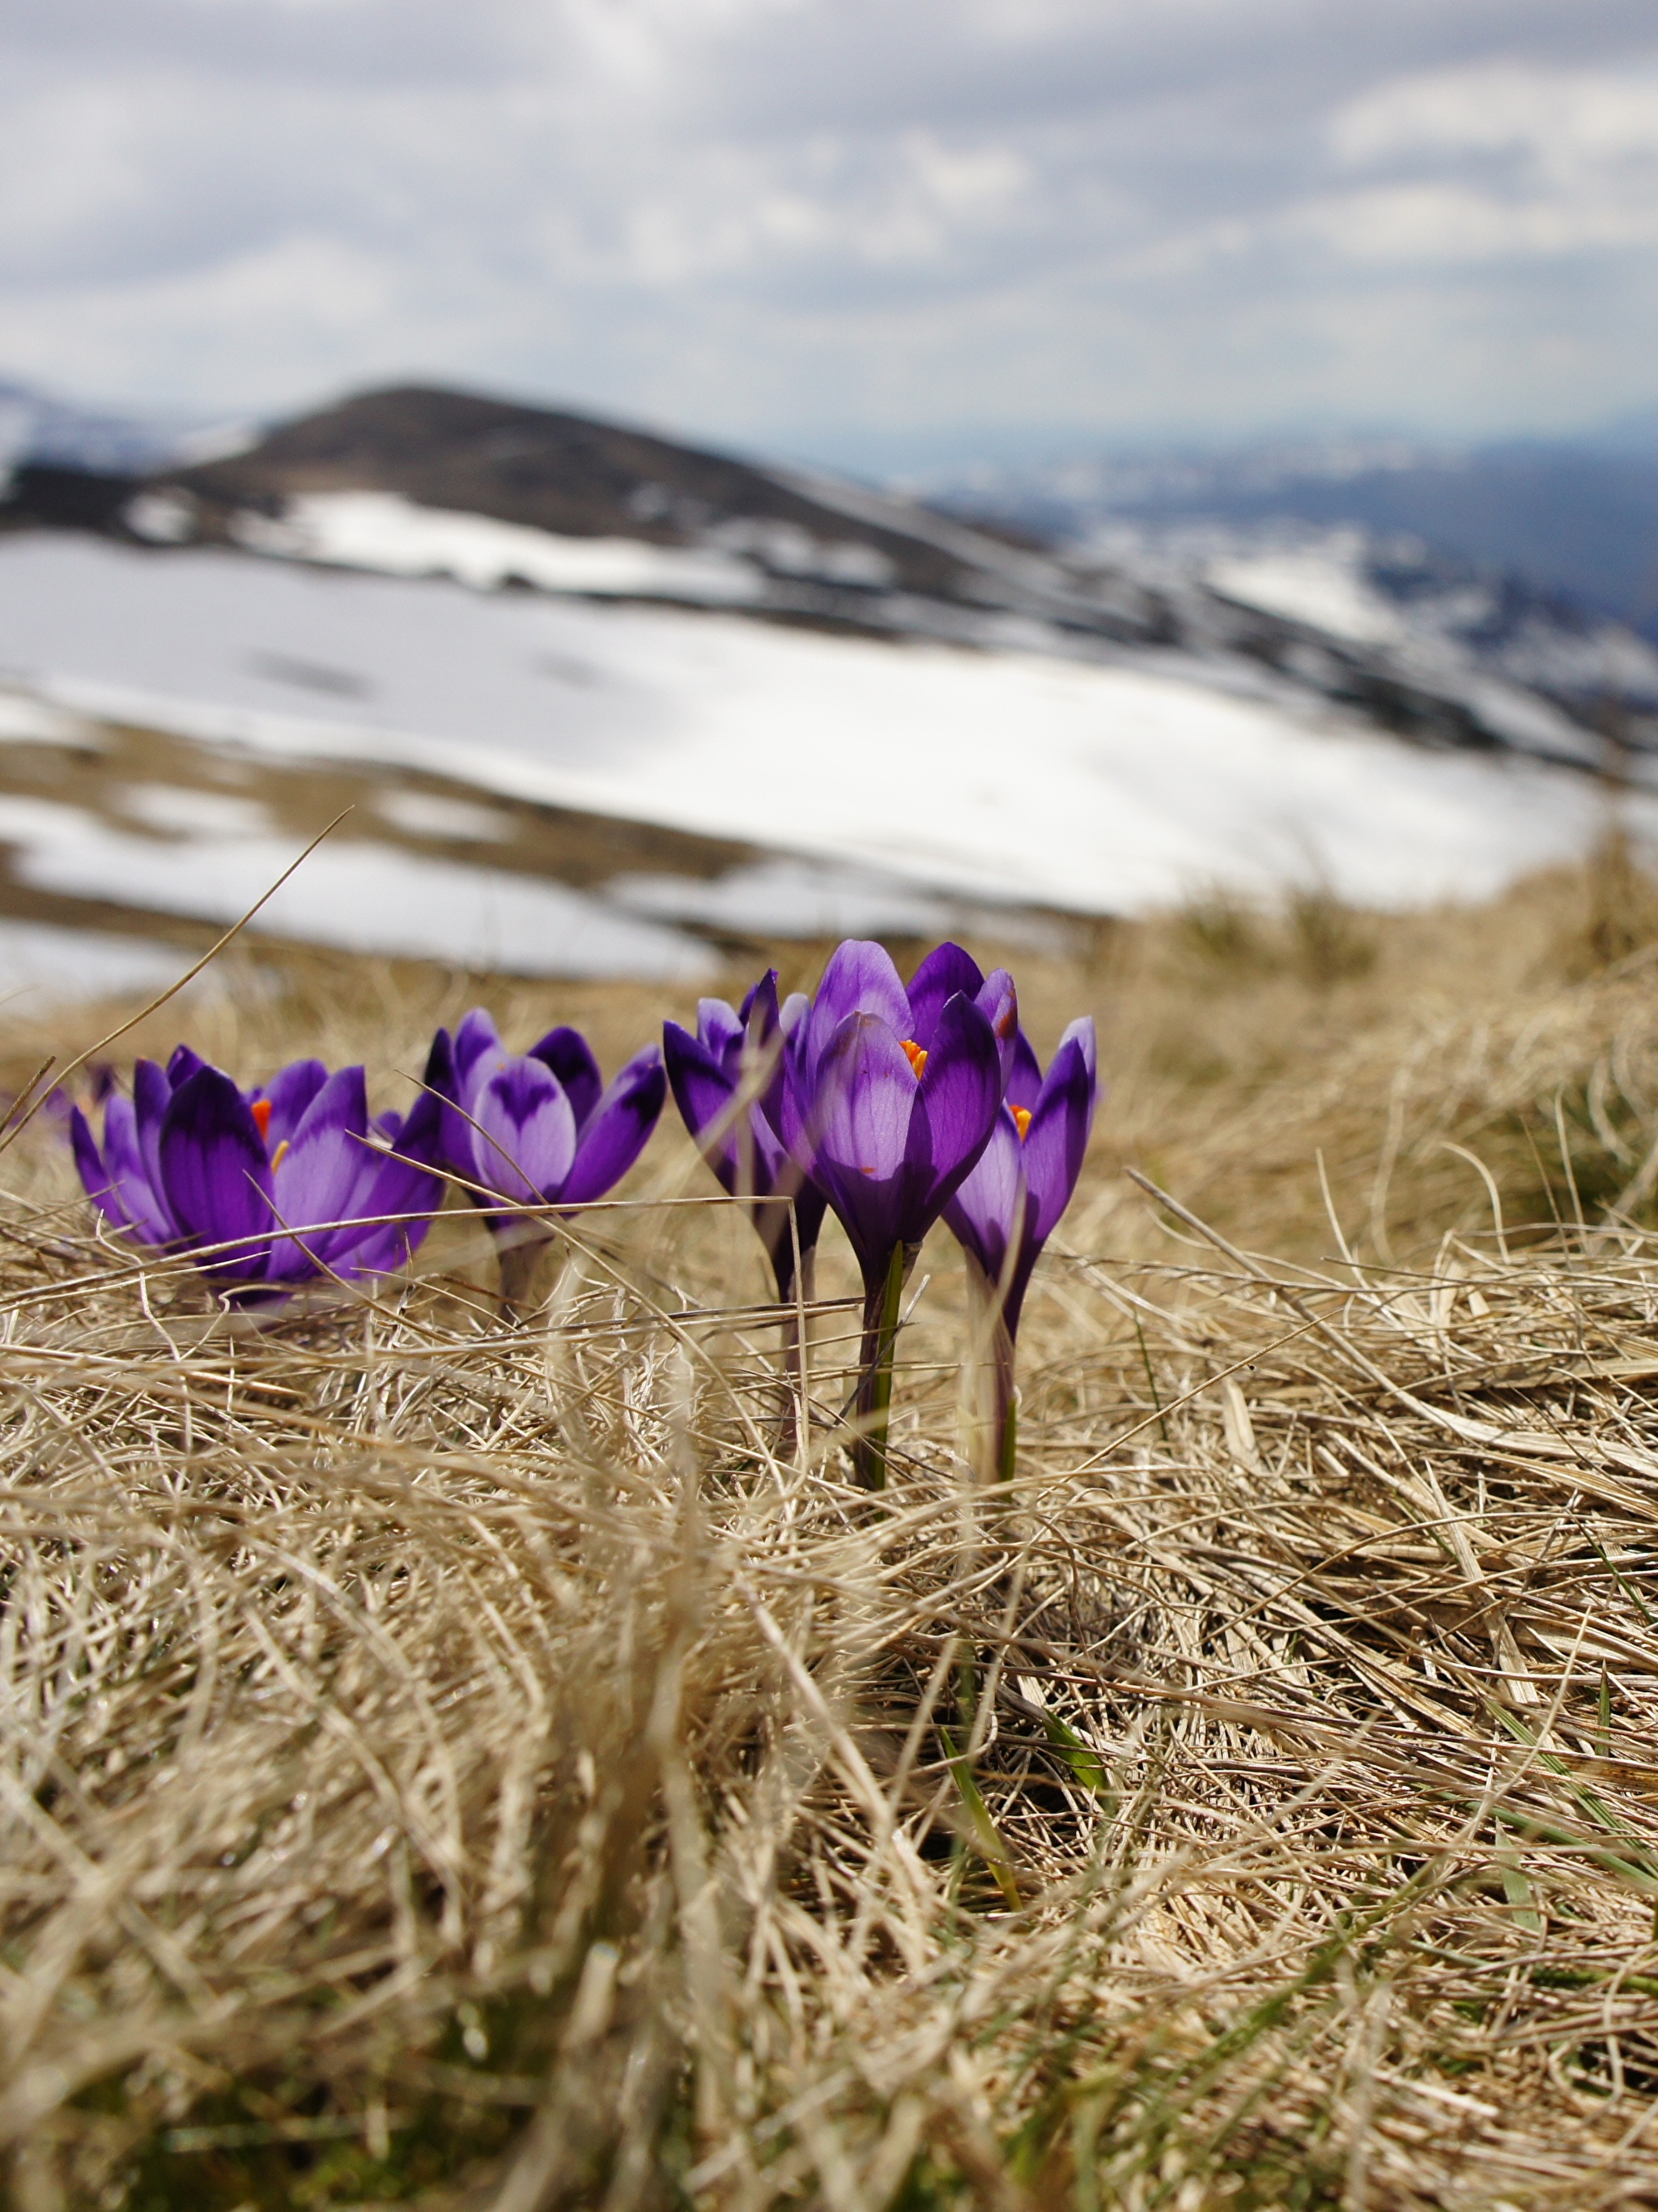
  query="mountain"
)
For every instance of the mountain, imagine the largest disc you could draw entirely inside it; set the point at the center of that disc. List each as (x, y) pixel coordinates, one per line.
(416, 481)
(1577, 521)
(36, 426)
(600, 703)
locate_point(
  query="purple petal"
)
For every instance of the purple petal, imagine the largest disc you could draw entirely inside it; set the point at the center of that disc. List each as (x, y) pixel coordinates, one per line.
(868, 1091)
(703, 1093)
(289, 1092)
(134, 1188)
(182, 1065)
(95, 1178)
(568, 1052)
(114, 1179)
(475, 1036)
(719, 1031)
(758, 1012)
(215, 1178)
(1025, 1078)
(859, 979)
(960, 1094)
(992, 1207)
(152, 1094)
(862, 1117)
(620, 1128)
(998, 1002)
(946, 971)
(322, 1180)
(525, 1138)
(1061, 1122)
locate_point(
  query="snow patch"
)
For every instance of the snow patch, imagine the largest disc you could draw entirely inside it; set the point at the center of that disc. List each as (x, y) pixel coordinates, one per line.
(1324, 586)
(42, 965)
(987, 776)
(382, 532)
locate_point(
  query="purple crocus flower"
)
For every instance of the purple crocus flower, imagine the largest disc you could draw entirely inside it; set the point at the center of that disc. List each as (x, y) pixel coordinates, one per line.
(1007, 1208)
(889, 1097)
(268, 1187)
(736, 1056)
(538, 1128)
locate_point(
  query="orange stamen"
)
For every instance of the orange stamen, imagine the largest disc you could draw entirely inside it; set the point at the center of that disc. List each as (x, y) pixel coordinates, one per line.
(917, 1056)
(276, 1157)
(1021, 1121)
(262, 1115)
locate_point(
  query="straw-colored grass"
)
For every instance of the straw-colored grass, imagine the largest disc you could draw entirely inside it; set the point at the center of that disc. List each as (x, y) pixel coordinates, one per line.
(476, 1764)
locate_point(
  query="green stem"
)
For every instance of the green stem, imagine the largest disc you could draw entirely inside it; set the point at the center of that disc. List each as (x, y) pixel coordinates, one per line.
(873, 1405)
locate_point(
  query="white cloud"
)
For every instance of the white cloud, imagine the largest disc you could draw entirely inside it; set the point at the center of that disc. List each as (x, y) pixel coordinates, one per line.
(796, 220)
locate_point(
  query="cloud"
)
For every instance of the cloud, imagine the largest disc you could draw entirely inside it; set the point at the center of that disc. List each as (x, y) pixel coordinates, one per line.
(837, 224)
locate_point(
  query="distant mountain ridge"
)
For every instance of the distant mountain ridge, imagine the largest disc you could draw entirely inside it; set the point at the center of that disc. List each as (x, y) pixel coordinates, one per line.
(416, 480)
(1576, 519)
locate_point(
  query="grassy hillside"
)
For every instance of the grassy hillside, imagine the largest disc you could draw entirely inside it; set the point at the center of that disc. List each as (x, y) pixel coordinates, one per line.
(478, 1762)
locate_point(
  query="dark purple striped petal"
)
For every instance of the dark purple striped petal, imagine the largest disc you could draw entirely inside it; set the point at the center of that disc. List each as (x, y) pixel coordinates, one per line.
(960, 1094)
(619, 1130)
(568, 1055)
(215, 1178)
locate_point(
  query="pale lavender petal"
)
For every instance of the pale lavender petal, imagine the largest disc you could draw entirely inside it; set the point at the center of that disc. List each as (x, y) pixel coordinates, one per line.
(133, 1189)
(859, 979)
(475, 1038)
(868, 1094)
(719, 1031)
(525, 1138)
(619, 1130)
(322, 1179)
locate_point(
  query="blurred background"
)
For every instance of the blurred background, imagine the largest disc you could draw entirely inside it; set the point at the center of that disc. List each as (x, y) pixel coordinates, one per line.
(694, 475)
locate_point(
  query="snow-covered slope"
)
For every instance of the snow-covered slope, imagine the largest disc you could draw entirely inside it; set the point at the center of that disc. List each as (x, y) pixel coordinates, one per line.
(1013, 776)
(483, 617)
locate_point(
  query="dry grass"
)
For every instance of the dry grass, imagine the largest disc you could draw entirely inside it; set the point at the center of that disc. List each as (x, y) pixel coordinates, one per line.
(470, 1764)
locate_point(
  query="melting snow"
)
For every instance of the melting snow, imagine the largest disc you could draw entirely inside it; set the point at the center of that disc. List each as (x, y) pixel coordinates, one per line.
(367, 898)
(1004, 775)
(380, 531)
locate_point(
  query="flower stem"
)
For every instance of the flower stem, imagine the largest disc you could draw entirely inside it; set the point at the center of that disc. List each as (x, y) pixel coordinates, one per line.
(881, 1299)
(520, 1262)
(795, 1347)
(991, 1401)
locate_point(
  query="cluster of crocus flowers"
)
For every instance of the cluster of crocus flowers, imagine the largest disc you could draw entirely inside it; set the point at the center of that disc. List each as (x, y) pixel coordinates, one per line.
(890, 1104)
(265, 1189)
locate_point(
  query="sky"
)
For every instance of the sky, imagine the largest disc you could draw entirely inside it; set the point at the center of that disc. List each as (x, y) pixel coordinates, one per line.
(877, 232)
